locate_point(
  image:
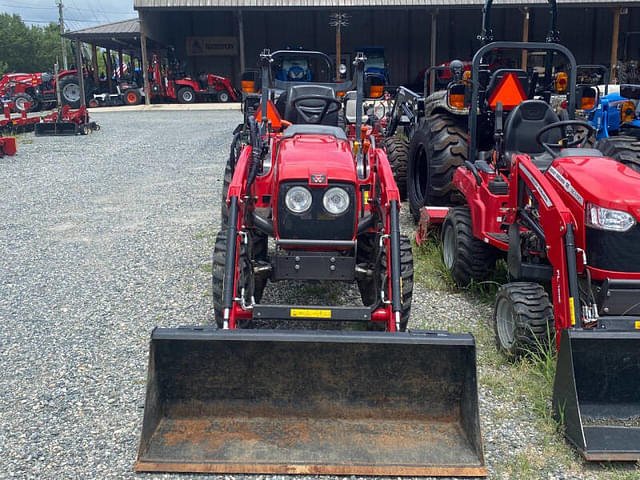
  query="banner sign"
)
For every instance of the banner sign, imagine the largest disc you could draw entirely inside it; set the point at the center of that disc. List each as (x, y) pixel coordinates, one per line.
(206, 46)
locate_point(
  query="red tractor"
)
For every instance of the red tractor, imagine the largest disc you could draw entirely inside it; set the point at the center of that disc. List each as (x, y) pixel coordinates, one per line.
(39, 89)
(232, 399)
(567, 221)
(185, 89)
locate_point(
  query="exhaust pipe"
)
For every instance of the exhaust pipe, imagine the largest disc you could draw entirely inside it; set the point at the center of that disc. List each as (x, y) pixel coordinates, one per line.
(311, 402)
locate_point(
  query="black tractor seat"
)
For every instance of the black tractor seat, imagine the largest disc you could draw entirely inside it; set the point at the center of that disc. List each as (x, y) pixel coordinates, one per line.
(285, 101)
(523, 124)
(294, 130)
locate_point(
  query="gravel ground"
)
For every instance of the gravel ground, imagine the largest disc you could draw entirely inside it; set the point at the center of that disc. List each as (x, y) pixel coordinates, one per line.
(101, 239)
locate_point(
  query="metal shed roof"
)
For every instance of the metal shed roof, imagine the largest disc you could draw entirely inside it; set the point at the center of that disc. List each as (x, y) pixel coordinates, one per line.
(118, 35)
(251, 4)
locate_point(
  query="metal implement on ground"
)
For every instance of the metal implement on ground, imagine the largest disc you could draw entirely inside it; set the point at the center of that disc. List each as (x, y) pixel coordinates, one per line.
(311, 402)
(66, 122)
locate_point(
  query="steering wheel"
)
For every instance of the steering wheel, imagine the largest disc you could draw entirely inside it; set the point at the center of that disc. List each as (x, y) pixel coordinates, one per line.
(315, 115)
(569, 140)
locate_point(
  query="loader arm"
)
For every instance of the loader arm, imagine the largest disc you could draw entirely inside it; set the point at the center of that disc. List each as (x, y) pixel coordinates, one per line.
(557, 223)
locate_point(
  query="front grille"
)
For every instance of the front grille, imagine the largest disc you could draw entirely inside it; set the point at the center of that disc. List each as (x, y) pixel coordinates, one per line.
(615, 251)
(316, 223)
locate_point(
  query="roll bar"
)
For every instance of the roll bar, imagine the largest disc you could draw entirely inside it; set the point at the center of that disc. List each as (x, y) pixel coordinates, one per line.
(475, 73)
(486, 36)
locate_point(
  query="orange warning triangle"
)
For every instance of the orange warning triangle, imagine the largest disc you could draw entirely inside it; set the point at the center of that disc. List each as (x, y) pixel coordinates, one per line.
(509, 91)
(272, 115)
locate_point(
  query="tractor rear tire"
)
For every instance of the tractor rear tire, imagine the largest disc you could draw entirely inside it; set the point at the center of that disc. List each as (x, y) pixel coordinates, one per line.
(523, 319)
(465, 257)
(70, 93)
(132, 97)
(398, 155)
(186, 95)
(625, 150)
(369, 252)
(438, 146)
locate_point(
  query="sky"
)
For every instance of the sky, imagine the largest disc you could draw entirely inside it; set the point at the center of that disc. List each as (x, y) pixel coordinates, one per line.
(78, 13)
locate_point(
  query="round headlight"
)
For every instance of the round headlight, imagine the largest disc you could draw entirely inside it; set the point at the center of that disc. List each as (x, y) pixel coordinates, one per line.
(298, 199)
(336, 201)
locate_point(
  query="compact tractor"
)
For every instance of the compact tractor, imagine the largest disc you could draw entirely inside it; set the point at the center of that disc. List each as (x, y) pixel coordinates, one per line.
(307, 202)
(567, 221)
(174, 85)
(39, 89)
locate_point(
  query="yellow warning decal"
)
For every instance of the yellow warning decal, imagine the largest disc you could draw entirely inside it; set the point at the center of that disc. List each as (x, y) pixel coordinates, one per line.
(366, 196)
(572, 311)
(309, 313)
(637, 324)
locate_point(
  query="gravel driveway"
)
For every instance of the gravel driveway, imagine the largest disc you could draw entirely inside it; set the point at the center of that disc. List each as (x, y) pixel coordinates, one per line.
(101, 239)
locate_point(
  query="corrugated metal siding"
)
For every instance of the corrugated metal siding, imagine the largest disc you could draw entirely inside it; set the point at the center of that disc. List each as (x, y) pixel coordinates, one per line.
(348, 3)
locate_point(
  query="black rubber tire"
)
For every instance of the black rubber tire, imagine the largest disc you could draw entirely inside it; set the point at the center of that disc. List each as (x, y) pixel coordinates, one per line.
(70, 82)
(368, 252)
(523, 319)
(131, 96)
(438, 146)
(465, 257)
(20, 99)
(398, 155)
(259, 251)
(186, 95)
(625, 150)
(223, 96)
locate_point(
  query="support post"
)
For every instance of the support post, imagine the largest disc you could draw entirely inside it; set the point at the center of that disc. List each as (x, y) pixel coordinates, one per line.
(614, 44)
(109, 71)
(525, 35)
(241, 41)
(94, 61)
(79, 66)
(145, 60)
(434, 38)
(121, 64)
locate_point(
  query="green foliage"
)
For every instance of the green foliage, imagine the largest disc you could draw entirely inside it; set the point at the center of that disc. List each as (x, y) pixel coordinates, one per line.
(28, 49)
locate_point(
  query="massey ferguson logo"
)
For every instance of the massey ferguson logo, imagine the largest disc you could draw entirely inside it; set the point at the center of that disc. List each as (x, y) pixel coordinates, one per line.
(317, 179)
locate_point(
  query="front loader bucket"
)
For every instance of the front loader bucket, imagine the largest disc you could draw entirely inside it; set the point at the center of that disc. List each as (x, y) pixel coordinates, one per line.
(56, 128)
(597, 393)
(311, 402)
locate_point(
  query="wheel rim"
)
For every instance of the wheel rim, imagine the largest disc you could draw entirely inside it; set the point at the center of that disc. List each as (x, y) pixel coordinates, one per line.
(19, 103)
(131, 97)
(224, 97)
(505, 323)
(71, 92)
(187, 96)
(420, 177)
(448, 246)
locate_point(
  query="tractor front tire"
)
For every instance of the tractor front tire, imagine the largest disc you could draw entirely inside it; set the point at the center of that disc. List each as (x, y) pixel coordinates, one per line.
(398, 155)
(465, 257)
(438, 146)
(370, 288)
(132, 97)
(224, 97)
(70, 92)
(186, 95)
(523, 319)
(20, 101)
(625, 150)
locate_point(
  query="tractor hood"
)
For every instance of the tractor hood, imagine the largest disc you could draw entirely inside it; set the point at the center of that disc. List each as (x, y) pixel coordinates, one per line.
(600, 180)
(323, 156)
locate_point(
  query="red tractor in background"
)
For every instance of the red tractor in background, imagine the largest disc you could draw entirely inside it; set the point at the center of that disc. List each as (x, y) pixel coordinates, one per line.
(39, 89)
(171, 84)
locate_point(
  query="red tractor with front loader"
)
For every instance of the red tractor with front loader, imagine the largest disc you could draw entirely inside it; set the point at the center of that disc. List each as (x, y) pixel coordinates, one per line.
(39, 89)
(170, 85)
(309, 203)
(567, 221)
